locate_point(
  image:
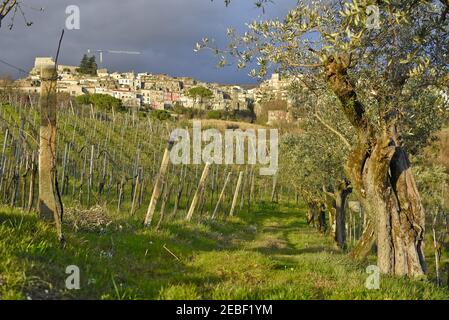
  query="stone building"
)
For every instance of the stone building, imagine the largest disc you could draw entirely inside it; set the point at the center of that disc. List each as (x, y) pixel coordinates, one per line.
(158, 91)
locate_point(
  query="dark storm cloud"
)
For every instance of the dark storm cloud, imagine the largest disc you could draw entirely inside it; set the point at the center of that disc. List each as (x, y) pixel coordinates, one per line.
(165, 31)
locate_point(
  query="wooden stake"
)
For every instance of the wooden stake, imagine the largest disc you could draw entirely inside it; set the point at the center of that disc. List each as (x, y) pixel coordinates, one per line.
(221, 195)
(136, 187)
(165, 196)
(236, 194)
(49, 207)
(436, 249)
(157, 187)
(274, 192)
(198, 192)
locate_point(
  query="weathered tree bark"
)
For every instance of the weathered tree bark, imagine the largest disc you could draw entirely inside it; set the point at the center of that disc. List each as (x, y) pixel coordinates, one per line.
(322, 220)
(365, 243)
(50, 207)
(381, 176)
(312, 212)
(329, 205)
(335, 204)
(341, 193)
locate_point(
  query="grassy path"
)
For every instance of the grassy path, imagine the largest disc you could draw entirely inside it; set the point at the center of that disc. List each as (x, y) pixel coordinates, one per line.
(269, 253)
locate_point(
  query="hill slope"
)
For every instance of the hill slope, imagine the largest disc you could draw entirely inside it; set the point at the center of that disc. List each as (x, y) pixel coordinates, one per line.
(268, 254)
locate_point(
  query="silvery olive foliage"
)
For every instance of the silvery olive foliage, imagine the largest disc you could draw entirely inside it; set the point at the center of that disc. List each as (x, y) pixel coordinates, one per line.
(15, 8)
(400, 71)
(314, 158)
(310, 162)
(433, 182)
(6, 6)
(391, 67)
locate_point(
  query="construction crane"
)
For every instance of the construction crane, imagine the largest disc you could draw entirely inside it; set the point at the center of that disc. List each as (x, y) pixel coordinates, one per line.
(101, 52)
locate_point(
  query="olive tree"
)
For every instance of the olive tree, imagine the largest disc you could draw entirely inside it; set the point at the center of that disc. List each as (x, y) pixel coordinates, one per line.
(312, 160)
(15, 6)
(376, 57)
(5, 7)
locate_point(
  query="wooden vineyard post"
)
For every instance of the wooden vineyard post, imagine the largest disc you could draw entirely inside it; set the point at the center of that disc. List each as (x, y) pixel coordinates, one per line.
(236, 194)
(92, 113)
(32, 182)
(135, 195)
(120, 193)
(436, 245)
(251, 188)
(157, 187)
(64, 164)
(165, 196)
(3, 160)
(274, 191)
(220, 198)
(245, 179)
(182, 179)
(198, 192)
(50, 206)
(91, 175)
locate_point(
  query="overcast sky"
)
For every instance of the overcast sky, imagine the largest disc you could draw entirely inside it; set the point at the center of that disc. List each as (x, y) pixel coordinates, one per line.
(165, 31)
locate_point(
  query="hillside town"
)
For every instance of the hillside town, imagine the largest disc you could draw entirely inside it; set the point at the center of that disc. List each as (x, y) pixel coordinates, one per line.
(160, 91)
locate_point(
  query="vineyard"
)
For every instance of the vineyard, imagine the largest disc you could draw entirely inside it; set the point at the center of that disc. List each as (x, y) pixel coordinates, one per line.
(117, 185)
(114, 161)
(210, 221)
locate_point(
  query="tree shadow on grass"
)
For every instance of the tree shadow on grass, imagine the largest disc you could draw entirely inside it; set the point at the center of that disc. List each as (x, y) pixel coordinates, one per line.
(113, 265)
(140, 263)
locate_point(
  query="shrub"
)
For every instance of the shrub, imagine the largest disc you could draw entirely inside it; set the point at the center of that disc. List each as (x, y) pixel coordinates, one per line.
(83, 100)
(244, 115)
(179, 108)
(102, 102)
(161, 115)
(188, 113)
(200, 93)
(216, 114)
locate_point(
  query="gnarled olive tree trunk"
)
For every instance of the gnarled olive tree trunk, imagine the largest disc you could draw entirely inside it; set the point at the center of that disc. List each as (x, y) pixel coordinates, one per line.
(316, 216)
(381, 176)
(336, 204)
(312, 212)
(341, 193)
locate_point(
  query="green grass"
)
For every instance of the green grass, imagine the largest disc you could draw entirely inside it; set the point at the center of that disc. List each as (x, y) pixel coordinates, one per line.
(269, 253)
